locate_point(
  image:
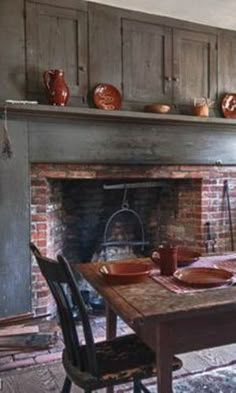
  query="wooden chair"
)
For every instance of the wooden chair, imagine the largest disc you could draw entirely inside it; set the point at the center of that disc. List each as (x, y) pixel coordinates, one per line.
(94, 365)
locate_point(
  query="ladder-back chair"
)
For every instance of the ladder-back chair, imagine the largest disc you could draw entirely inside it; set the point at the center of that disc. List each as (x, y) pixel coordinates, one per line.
(93, 365)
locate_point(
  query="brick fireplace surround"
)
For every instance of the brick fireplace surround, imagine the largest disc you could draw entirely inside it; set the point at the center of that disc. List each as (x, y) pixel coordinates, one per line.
(199, 201)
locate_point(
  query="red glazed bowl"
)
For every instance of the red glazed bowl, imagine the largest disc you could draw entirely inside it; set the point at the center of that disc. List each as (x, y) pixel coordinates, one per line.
(125, 272)
(185, 256)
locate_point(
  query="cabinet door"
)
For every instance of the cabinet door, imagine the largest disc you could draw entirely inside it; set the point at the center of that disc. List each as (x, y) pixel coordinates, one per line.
(227, 62)
(146, 62)
(104, 46)
(195, 66)
(56, 39)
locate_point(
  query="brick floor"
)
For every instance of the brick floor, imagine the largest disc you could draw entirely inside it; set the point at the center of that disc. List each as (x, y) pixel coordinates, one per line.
(9, 361)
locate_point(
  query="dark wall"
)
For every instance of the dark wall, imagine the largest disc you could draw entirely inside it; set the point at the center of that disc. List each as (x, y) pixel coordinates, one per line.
(15, 269)
(12, 44)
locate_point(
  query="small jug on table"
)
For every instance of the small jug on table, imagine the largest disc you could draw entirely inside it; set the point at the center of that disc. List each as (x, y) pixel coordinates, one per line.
(168, 260)
(56, 87)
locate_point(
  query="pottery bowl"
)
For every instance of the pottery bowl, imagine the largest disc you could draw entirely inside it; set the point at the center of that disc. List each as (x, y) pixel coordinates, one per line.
(185, 256)
(157, 108)
(125, 272)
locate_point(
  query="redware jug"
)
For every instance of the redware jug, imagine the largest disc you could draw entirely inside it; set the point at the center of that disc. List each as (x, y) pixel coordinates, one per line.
(56, 87)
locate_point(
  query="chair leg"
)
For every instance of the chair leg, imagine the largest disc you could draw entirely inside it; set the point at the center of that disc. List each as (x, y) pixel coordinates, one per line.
(67, 386)
(139, 387)
(136, 386)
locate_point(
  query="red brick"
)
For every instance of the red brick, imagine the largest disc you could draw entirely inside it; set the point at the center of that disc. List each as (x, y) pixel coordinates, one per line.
(41, 243)
(41, 227)
(38, 217)
(40, 310)
(41, 294)
(38, 182)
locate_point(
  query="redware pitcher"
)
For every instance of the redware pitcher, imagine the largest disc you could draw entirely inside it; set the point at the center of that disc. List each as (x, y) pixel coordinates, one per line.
(57, 89)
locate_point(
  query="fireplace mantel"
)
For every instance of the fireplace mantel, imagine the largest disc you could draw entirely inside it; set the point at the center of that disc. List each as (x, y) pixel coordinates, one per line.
(86, 135)
(73, 113)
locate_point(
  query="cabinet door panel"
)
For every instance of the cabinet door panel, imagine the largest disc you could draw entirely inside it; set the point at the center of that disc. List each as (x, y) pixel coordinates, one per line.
(227, 62)
(56, 38)
(147, 60)
(194, 73)
(104, 46)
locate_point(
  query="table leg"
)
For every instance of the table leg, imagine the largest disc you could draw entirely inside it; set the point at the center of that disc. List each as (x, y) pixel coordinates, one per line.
(111, 323)
(164, 359)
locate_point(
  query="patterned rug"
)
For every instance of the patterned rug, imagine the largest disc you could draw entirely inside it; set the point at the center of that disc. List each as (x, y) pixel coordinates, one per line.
(220, 380)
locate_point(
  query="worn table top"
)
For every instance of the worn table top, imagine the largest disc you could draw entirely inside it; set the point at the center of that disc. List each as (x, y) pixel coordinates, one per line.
(149, 299)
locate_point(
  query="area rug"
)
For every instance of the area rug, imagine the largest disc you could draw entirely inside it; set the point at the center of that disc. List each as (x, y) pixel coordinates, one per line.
(220, 380)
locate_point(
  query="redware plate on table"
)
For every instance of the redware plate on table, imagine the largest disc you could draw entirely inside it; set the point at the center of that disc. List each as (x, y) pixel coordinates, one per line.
(229, 265)
(125, 272)
(228, 105)
(203, 277)
(107, 97)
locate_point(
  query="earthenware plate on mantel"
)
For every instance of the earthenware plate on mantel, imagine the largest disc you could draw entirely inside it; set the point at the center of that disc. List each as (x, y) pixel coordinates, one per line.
(228, 105)
(107, 97)
(203, 277)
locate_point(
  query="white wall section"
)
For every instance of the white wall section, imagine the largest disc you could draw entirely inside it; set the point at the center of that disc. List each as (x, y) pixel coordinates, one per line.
(219, 13)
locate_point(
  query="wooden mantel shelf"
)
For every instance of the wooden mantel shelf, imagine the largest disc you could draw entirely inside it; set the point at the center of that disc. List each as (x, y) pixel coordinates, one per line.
(69, 112)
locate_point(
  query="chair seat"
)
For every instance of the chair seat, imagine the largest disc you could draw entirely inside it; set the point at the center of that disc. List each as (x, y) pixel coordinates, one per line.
(115, 363)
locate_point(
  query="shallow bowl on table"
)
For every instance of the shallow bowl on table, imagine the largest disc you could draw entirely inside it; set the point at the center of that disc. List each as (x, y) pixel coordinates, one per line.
(203, 277)
(125, 272)
(185, 256)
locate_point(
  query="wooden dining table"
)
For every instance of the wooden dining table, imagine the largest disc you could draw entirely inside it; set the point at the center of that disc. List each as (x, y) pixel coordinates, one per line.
(169, 323)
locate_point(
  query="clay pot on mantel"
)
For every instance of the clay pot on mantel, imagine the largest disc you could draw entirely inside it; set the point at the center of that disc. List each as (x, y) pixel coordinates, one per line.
(201, 107)
(56, 87)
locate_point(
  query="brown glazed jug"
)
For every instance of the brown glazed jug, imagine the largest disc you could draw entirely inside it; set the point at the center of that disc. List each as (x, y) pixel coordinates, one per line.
(56, 87)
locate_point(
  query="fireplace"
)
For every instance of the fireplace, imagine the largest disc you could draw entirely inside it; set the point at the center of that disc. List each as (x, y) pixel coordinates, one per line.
(53, 146)
(72, 203)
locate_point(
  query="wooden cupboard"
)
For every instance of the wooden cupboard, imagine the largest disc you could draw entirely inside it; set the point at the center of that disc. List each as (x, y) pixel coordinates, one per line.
(56, 38)
(147, 57)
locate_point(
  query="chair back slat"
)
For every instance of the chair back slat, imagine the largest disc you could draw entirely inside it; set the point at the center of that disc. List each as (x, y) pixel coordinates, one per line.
(58, 275)
(88, 335)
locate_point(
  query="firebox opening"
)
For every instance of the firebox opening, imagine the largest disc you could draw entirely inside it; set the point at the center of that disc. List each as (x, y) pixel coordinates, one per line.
(109, 220)
(70, 209)
(77, 212)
